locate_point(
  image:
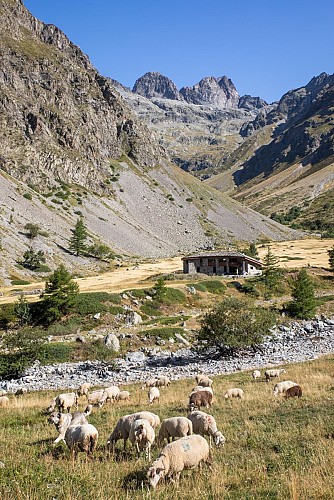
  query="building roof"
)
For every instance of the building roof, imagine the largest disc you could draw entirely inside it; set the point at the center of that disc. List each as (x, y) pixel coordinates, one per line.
(222, 254)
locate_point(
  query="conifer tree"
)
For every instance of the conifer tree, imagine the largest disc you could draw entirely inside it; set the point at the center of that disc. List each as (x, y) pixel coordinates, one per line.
(303, 305)
(271, 274)
(331, 258)
(79, 237)
(59, 296)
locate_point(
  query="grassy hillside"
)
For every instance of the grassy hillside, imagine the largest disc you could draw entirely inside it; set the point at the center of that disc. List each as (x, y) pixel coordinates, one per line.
(275, 448)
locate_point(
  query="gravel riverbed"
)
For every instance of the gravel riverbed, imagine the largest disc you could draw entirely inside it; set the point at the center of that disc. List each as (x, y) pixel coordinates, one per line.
(300, 341)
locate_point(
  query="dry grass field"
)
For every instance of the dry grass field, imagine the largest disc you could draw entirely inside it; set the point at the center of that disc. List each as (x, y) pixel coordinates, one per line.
(292, 254)
(275, 448)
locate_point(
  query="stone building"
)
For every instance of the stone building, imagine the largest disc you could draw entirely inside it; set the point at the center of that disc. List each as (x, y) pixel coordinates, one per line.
(222, 264)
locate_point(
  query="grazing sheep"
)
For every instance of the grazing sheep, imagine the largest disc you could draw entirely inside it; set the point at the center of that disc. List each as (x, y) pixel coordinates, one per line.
(201, 388)
(95, 396)
(123, 396)
(81, 438)
(273, 373)
(162, 381)
(256, 374)
(205, 425)
(294, 392)
(63, 420)
(109, 394)
(234, 393)
(142, 436)
(200, 398)
(64, 402)
(175, 427)
(185, 453)
(84, 389)
(153, 395)
(3, 392)
(4, 401)
(123, 425)
(151, 382)
(203, 380)
(21, 391)
(281, 387)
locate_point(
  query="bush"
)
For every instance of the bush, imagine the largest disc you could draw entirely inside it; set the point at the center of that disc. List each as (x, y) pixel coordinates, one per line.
(27, 196)
(234, 324)
(20, 282)
(173, 296)
(151, 309)
(89, 303)
(55, 353)
(116, 310)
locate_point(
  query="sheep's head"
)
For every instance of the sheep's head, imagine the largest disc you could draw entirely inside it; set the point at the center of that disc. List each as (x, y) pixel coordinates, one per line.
(156, 472)
(54, 418)
(219, 439)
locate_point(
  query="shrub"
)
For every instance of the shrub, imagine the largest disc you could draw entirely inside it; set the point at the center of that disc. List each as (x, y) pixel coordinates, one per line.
(88, 303)
(163, 333)
(173, 296)
(27, 196)
(20, 282)
(214, 286)
(55, 353)
(116, 310)
(151, 309)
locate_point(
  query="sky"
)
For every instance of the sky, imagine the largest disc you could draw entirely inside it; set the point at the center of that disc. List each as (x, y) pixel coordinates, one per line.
(266, 47)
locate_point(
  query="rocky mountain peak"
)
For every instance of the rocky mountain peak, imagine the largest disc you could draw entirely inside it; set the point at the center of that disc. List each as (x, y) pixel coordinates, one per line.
(153, 84)
(210, 90)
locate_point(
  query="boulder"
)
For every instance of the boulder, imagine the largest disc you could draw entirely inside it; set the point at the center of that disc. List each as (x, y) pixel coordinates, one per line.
(181, 339)
(135, 357)
(133, 318)
(112, 342)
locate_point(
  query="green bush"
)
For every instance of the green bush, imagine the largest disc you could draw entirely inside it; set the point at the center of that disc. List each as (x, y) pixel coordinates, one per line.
(214, 286)
(138, 293)
(88, 303)
(116, 310)
(20, 282)
(62, 328)
(163, 333)
(173, 296)
(151, 309)
(54, 353)
(27, 196)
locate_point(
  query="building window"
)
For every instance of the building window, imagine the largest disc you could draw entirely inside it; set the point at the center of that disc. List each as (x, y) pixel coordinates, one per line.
(211, 262)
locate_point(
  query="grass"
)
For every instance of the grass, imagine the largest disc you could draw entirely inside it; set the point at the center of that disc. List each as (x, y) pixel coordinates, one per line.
(275, 449)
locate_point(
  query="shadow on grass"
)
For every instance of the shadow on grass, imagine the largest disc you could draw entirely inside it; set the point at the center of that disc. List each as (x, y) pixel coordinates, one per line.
(135, 480)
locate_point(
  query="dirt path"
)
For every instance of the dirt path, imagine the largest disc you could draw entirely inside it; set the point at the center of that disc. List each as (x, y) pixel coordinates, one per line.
(292, 254)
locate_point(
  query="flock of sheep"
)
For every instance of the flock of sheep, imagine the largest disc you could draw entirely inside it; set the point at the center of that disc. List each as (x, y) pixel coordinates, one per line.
(188, 451)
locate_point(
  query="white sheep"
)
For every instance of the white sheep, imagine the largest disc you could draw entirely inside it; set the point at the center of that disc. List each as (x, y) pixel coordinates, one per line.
(203, 380)
(234, 393)
(281, 387)
(95, 396)
(109, 394)
(275, 373)
(153, 395)
(3, 392)
(202, 388)
(122, 428)
(185, 453)
(63, 420)
(151, 382)
(64, 402)
(123, 396)
(256, 374)
(4, 401)
(205, 425)
(84, 389)
(162, 381)
(142, 436)
(175, 427)
(81, 438)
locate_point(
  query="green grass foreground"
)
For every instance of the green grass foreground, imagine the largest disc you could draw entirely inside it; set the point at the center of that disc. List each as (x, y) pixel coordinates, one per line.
(275, 448)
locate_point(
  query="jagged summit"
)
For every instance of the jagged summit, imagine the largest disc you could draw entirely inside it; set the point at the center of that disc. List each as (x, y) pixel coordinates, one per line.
(210, 90)
(153, 84)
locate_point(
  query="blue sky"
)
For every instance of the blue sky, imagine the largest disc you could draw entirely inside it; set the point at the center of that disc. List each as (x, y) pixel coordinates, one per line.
(266, 47)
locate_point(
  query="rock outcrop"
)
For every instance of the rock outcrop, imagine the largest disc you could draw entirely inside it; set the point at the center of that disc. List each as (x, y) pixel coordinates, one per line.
(154, 84)
(210, 90)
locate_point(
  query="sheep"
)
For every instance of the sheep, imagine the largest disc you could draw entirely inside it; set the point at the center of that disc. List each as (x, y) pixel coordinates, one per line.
(84, 389)
(123, 396)
(185, 453)
(64, 402)
(142, 436)
(4, 401)
(293, 392)
(200, 398)
(153, 395)
(21, 391)
(281, 387)
(151, 382)
(175, 427)
(203, 380)
(81, 438)
(273, 373)
(205, 425)
(234, 393)
(122, 428)
(201, 388)
(256, 374)
(3, 392)
(109, 394)
(94, 397)
(63, 420)
(162, 381)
